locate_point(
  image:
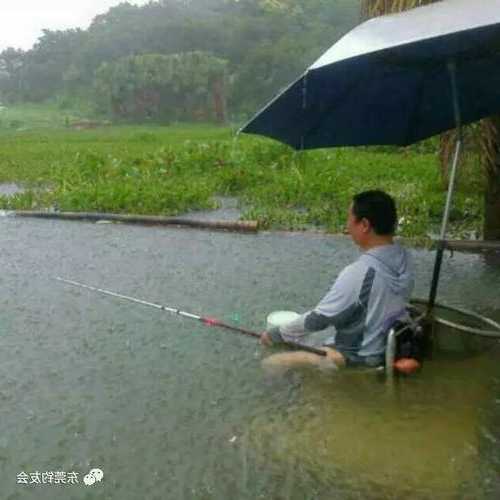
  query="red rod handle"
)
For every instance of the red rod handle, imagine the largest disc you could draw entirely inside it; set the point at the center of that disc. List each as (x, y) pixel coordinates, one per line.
(216, 322)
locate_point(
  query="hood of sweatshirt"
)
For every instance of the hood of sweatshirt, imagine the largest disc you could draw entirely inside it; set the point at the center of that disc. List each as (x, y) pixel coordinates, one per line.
(395, 265)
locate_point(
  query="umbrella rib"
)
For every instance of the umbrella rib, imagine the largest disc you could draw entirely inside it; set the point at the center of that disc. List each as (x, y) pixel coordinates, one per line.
(270, 104)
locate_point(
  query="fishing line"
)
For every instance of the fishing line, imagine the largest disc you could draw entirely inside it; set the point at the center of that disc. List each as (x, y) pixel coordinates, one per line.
(206, 320)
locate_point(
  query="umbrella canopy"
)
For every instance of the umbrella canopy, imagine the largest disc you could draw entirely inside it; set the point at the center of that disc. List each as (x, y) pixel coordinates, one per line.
(388, 80)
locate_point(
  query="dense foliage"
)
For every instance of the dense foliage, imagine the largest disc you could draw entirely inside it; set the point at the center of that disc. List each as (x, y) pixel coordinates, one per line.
(266, 43)
(180, 86)
(170, 170)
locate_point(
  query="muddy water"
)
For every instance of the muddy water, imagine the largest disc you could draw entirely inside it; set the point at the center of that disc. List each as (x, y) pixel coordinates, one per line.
(169, 409)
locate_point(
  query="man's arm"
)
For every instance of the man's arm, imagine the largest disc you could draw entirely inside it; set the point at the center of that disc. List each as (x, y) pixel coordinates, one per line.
(327, 313)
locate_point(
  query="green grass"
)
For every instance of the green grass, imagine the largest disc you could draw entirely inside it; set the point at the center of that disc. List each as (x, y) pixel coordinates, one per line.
(35, 117)
(170, 170)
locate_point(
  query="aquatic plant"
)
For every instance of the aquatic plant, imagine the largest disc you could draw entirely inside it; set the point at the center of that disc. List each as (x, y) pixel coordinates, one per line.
(170, 170)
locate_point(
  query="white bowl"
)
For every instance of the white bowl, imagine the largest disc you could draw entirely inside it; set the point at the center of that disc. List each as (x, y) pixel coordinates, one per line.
(280, 318)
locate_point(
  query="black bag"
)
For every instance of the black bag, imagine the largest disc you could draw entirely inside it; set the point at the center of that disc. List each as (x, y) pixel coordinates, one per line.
(411, 342)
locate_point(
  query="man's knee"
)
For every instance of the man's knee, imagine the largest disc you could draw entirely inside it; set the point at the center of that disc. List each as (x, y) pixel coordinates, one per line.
(335, 356)
(285, 360)
(290, 359)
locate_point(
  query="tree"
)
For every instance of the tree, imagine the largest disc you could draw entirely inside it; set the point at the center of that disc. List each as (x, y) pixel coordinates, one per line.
(183, 86)
(11, 65)
(490, 148)
(373, 8)
(487, 133)
(267, 43)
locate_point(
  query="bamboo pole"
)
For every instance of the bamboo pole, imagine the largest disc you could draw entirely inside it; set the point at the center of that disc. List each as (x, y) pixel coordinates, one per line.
(242, 226)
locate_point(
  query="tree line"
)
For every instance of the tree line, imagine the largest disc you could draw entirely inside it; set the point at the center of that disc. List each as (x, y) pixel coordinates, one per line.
(198, 58)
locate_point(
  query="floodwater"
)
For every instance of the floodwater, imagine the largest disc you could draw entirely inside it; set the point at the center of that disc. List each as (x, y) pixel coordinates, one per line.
(228, 210)
(9, 189)
(170, 409)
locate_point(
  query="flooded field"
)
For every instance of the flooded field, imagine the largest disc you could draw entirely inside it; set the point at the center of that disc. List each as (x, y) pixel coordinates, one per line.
(170, 409)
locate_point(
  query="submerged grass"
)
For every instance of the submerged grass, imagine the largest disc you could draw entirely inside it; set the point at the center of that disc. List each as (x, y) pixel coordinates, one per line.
(170, 170)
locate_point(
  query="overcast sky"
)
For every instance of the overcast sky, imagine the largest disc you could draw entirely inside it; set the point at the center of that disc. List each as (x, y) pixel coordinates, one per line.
(22, 21)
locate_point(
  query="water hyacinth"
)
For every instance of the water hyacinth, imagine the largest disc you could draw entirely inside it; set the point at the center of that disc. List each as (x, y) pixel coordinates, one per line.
(183, 168)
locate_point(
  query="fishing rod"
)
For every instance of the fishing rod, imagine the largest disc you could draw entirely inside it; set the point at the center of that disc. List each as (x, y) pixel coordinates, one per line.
(206, 320)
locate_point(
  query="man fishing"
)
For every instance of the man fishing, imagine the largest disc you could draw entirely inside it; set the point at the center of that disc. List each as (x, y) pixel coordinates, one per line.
(367, 297)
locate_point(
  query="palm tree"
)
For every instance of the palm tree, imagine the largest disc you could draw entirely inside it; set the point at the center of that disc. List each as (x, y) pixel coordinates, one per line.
(490, 153)
(488, 132)
(373, 8)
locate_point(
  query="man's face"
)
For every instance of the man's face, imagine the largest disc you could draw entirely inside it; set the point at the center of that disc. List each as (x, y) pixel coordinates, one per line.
(358, 229)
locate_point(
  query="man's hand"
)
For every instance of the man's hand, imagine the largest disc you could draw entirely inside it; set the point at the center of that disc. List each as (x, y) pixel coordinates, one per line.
(335, 356)
(265, 339)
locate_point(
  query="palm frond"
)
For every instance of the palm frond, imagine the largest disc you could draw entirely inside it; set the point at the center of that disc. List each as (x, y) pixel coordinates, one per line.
(373, 8)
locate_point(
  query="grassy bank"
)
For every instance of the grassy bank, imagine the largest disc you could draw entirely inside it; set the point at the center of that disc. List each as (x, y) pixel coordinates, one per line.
(170, 170)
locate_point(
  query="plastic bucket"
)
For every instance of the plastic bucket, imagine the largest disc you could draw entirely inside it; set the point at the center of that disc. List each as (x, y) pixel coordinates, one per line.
(280, 318)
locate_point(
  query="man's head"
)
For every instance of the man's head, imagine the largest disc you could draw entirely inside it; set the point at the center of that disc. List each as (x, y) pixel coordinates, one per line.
(372, 219)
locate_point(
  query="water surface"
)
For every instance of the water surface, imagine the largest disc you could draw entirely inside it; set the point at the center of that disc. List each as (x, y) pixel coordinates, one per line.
(170, 409)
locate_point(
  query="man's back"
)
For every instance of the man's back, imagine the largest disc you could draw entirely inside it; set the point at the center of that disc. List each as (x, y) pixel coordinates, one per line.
(368, 296)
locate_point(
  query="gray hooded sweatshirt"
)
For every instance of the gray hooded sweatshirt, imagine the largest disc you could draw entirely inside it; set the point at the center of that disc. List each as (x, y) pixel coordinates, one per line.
(366, 298)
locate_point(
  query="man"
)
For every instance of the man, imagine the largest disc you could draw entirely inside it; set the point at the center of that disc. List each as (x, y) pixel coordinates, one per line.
(368, 296)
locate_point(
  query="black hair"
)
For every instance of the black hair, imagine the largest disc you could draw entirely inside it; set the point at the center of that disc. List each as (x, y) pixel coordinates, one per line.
(378, 208)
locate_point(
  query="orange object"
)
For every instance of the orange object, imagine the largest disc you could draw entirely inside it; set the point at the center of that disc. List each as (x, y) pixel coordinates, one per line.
(406, 365)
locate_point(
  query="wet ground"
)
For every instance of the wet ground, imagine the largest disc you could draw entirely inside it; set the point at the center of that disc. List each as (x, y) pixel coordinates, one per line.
(170, 409)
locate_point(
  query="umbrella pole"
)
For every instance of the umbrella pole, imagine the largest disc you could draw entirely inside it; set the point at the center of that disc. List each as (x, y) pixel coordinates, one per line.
(451, 185)
(442, 242)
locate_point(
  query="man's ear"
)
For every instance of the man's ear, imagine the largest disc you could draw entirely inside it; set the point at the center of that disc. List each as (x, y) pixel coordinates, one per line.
(366, 225)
